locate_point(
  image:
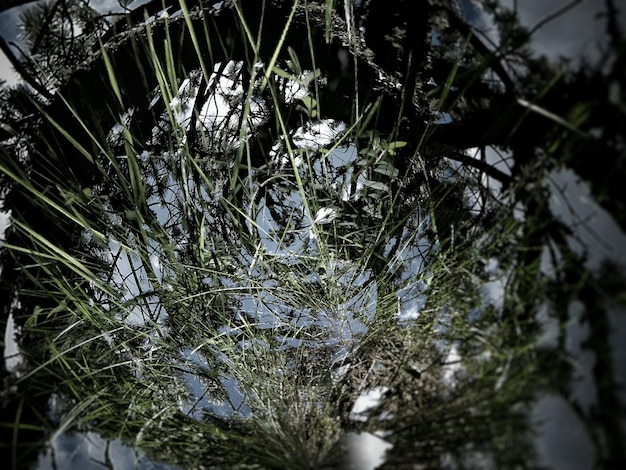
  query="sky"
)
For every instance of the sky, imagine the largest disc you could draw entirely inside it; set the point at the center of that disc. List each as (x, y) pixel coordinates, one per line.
(6, 71)
(577, 33)
(9, 30)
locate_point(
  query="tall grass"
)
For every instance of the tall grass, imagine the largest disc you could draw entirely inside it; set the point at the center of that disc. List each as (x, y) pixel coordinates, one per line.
(200, 312)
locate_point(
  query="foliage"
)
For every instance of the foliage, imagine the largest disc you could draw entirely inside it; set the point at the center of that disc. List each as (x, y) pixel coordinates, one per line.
(229, 224)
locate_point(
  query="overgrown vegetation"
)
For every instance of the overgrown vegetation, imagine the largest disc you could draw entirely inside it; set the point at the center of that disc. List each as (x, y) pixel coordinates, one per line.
(230, 223)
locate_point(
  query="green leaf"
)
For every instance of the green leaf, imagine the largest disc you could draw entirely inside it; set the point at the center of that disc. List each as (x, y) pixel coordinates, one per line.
(282, 73)
(377, 185)
(311, 105)
(347, 224)
(386, 168)
(31, 321)
(8, 129)
(308, 101)
(393, 146)
(294, 63)
(59, 308)
(308, 78)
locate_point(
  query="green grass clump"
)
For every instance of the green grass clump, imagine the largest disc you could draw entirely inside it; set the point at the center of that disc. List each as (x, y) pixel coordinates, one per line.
(224, 237)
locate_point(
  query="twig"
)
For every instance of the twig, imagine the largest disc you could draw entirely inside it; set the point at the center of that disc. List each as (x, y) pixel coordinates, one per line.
(481, 165)
(551, 17)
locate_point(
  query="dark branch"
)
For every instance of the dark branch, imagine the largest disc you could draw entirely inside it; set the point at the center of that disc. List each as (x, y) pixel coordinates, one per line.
(481, 165)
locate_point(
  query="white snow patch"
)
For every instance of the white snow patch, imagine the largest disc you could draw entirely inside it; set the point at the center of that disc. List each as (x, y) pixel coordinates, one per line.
(366, 451)
(452, 367)
(367, 402)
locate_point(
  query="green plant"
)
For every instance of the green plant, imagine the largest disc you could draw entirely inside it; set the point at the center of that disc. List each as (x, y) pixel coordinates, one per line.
(227, 229)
